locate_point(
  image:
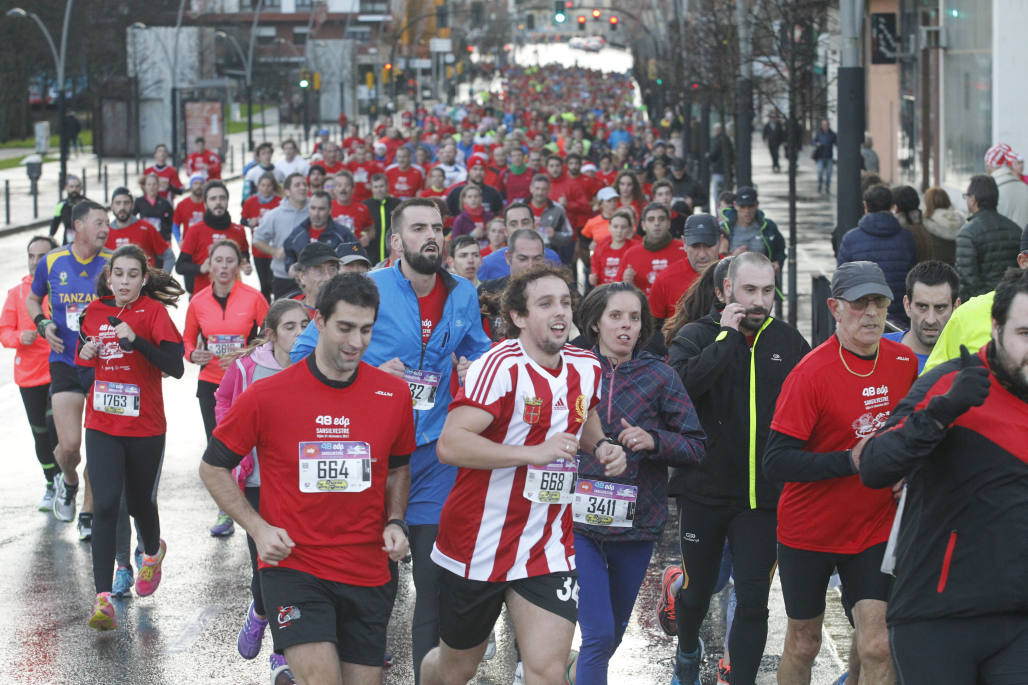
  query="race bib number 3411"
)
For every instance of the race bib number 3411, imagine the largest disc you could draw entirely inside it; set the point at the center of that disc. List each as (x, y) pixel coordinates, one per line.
(339, 467)
(600, 503)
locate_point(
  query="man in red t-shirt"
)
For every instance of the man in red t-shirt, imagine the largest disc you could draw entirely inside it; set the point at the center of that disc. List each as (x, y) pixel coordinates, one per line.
(203, 161)
(658, 251)
(330, 159)
(835, 399)
(363, 168)
(189, 210)
(125, 231)
(346, 210)
(404, 180)
(335, 437)
(216, 225)
(578, 192)
(167, 175)
(701, 238)
(516, 178)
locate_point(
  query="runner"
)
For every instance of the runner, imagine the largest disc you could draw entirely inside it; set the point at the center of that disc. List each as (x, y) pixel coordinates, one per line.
(31, 369)
(267, 197)
(140, 232)
(68, 277)
(957, 607)
(505, 535)
(170, 184)
(617, 522)
(658, 251)
(733, 363)
(130, 341)
(330, 521)
(264, 357)
(224, 317)
(465, 258)
(189, 210)
(836, 398)
(203, 161)
(317, 265)
(929, 302)
(194, 259)
(610, 251)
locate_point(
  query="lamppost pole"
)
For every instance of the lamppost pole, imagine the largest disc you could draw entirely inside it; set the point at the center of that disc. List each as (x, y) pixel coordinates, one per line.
(174, 90)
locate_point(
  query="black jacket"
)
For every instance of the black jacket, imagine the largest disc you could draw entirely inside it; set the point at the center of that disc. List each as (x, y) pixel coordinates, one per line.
(334, 235)
(963, 542)
(159, 213)
(714, 363)
(378, 248)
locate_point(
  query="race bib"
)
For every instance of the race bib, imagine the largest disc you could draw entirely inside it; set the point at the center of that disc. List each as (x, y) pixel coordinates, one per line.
(121, 399)
(341, 467)
(220, 345)
(600, 503)
(71, 316)
(551, 484)
(423, 385)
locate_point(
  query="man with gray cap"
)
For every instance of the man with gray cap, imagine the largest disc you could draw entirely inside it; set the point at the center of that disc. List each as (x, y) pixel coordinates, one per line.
(701, 238)
(840, 395)
(748, 229)
(733, 364)
(315, 266)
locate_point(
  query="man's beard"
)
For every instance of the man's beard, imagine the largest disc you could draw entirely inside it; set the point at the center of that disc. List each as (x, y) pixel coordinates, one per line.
(421, 263)
(1014, 370)
(755, 309)
(123, 217)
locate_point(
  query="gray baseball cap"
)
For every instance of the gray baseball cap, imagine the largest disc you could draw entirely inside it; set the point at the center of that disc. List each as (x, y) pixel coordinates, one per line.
(853, 280)
(701, 228)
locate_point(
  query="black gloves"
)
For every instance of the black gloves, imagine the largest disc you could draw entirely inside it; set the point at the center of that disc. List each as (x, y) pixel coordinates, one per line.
(970, 388)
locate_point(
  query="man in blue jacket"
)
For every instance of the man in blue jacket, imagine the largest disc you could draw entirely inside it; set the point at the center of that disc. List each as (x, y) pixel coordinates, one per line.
(428, 318)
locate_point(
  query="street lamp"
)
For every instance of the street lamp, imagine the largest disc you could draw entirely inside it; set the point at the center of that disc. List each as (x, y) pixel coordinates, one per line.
(19, 13)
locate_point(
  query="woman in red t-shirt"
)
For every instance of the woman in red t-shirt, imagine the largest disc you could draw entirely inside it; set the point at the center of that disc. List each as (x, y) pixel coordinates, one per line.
(269, 196)
(128, 337)
(630, 193)
(435, 186)
(609, 253)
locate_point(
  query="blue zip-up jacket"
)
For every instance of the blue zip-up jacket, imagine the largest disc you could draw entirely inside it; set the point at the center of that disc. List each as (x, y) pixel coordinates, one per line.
(397, 333)
(880, 238)
(647, 393)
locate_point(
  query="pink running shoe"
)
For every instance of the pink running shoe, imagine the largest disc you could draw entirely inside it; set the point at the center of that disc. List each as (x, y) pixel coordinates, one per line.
(150, 572)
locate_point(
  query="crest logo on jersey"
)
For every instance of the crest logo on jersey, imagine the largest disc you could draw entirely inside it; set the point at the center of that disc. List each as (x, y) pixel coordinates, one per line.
(533, 410)
(63, 277)
(580, 406)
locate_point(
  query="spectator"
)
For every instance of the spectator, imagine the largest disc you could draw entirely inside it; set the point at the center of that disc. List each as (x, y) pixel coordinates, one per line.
(824, 154)
(880, 238)
(987, 244)
(868, 154)
(942, 222)
(906, 205)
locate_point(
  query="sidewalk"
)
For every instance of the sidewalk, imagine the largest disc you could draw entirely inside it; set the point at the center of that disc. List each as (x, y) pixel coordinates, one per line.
(120, 172)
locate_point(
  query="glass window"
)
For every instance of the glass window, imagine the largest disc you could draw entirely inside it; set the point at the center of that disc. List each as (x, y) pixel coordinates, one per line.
(966, 82)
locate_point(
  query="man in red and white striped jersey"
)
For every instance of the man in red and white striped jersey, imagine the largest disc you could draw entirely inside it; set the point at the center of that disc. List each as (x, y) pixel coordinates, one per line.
(505, 534)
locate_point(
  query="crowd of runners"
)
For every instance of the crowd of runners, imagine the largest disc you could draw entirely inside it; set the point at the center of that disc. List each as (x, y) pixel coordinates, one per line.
(497, 339)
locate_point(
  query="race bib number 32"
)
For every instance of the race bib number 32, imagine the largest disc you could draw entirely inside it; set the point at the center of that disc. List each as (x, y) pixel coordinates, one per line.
(423, 385)
(340, 467)
(551, 484)
(121, 399)
(600, 503)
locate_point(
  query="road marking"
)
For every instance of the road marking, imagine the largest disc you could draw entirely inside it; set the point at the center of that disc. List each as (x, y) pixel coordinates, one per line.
(187, 636)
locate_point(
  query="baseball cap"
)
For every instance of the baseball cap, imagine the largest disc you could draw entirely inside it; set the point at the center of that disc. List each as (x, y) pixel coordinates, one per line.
(853, 280)
(316, 253)
(351, 252)
(701, 228)
(678, 164)
(607, 193)
(746, 196)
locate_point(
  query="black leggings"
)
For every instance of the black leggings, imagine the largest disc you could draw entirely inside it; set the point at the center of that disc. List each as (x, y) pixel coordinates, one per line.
(122, 464)
(752, 539)
(427, 575)
(205, 393)
(41, 420)
(253, 496)
(990, 650)
(262, 265)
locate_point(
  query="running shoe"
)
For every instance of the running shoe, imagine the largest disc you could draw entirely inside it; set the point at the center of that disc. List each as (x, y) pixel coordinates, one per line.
(687, 667)
(138, 557)
(85, 526)
(280, 673)
(251, 634)
(150, 572)
(724, 673)
(387, 659)
(47, 503)
(123, 582)
(842, 678)
(223, 527)
(64, 501)
(103, 613)
(490, 648)
(666, 615)
(572, 670)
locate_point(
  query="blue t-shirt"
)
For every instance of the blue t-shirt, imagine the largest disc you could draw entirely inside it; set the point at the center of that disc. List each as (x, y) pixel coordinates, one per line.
(495, 264)
(71, 285)
(898, 337)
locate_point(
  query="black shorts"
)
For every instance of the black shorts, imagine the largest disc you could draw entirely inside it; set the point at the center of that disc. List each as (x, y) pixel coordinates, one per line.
(67, 378)
(805, 576)
(468, 609)
(303, 608)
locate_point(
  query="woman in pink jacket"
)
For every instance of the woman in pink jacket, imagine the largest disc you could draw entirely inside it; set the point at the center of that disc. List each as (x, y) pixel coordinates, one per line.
(266, 356)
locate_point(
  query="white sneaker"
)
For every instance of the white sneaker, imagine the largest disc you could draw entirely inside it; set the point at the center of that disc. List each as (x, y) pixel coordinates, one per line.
(47, 503)
(64, 501)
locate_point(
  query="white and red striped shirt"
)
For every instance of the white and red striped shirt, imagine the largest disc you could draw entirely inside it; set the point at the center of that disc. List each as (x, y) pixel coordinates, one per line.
(488, 530)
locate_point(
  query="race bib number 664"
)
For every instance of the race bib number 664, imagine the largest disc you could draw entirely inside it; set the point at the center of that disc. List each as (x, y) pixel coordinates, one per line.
(335, 466)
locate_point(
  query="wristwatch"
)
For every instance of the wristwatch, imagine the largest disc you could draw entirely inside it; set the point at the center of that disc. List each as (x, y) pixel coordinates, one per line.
(401, 524)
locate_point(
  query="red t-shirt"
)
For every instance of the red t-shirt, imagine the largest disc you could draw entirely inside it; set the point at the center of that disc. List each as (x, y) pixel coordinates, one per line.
(331, 169)
(431, 307)
(126, 383)
(404, 183)
(430, 192)
(669, 286)
(206, 162)
(294, 417)
(253, 208)
(188, 212)
(140, 233)
(354, 216)
(167, 177)
(606, 261)
(831, 409)
(648, 264)
(198, 244)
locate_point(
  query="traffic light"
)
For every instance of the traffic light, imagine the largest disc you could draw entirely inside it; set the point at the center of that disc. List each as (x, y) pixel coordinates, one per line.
(559, 16)
(305, 78)
(530, 22)
(613, 23)
(387, 71)
(581, 22)
(596, 14)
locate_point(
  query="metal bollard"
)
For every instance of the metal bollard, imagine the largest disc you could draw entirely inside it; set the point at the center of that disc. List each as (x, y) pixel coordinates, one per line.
(35, 203)
(137, 165)
(107, 197)
(99, 163)
(7, 201)
(83, 182)
(124, 173)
